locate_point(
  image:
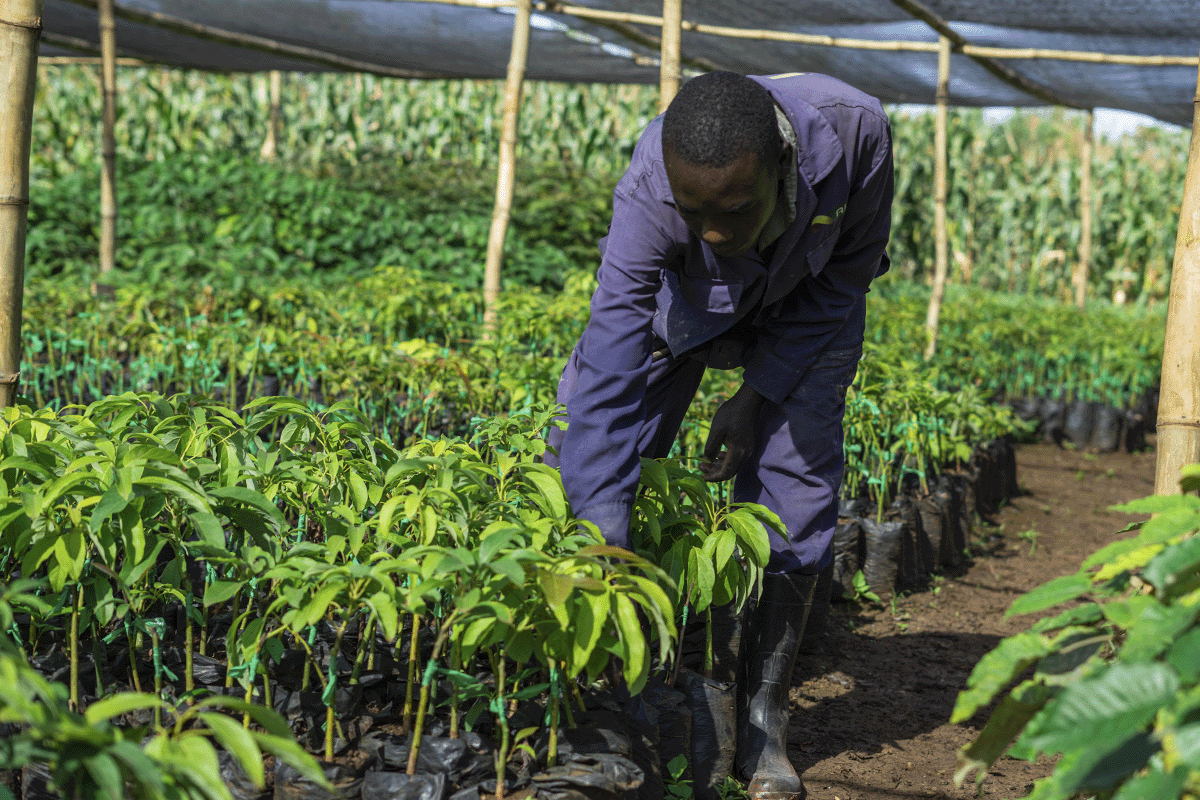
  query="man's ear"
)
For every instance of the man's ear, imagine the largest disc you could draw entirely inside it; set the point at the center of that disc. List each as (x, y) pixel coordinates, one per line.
(785, 157)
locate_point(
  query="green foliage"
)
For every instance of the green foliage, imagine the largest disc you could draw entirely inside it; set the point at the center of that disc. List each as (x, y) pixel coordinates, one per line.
(1111, 683)
(363, 180)
(235, 221)
(91, 755)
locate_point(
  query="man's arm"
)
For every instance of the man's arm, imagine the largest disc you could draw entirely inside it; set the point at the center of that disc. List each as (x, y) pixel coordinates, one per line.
(599, 459)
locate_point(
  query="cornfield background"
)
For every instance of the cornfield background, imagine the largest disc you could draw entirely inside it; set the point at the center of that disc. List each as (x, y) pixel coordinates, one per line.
(1014, 204)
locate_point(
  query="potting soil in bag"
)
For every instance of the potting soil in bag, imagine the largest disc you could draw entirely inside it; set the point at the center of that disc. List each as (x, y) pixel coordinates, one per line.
(909, 569)
(454, 758)
(400, 786)
(1106, 432)
(848, 551)
(602, 776)
(883, 554)
(291, 785)
(667, 710)
(933, 524)
(1081, 416)
(714, 731)
(1134, 437)
(35, 783)
(1054, 415)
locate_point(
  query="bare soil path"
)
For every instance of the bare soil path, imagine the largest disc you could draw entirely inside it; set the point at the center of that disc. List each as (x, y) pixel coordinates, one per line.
(871, 704)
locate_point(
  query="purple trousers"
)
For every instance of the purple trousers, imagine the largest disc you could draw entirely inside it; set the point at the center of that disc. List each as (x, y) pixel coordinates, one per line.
(797, 465)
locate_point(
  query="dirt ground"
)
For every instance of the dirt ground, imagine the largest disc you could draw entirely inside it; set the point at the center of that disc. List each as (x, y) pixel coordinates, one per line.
(871, 704)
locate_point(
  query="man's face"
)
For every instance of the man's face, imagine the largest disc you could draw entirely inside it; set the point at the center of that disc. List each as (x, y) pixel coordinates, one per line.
(729, 206)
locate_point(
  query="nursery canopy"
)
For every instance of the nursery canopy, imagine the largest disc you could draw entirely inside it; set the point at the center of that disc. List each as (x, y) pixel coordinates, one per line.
(455, 40)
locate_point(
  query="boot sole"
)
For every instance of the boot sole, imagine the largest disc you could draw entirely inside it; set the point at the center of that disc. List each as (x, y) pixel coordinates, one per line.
(800, 795)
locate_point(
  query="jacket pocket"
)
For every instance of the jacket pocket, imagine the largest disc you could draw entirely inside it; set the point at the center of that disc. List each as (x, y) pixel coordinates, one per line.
(708, 294)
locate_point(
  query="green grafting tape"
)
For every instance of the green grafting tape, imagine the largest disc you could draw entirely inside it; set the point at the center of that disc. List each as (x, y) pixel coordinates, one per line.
(254, 662)
(331, 684)
(430, 671)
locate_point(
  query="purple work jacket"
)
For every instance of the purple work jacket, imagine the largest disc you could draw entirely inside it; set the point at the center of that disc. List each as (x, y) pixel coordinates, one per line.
(658, 282)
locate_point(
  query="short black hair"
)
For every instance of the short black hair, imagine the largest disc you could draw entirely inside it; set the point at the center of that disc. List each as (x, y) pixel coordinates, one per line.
(718, 117)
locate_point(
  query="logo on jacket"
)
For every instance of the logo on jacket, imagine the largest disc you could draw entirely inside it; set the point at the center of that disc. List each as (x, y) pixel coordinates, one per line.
(821, 219)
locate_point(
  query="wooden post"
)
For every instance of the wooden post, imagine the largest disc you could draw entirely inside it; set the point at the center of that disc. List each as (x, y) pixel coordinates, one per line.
(940, 162)
(1080, 278)
(1179, 386)
(271, 143)
(672, 34)
(506, 174)
(108, 139)
(20, 28)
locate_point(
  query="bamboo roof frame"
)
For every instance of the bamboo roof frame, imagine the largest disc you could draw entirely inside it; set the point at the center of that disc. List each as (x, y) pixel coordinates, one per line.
(259, 43)
(958, 43)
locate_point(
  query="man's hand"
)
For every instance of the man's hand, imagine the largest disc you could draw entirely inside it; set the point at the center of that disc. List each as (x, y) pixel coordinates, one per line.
(734, 426)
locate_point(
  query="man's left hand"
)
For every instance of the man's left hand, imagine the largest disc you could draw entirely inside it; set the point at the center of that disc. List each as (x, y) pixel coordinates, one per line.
(734, 426)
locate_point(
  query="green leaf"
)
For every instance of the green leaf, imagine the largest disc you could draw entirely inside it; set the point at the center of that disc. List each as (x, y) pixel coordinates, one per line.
(1129, 757)
(654, 475)
(1185, 656)
(1059, 590)
(1155, 784)
(219, 591)
(238, 741)
(285, 749)
(494, 542)
(269, 719)
(1189, 478)
(1176, 562)
(548, 484)
(632, 645)
(1103, 712)
(1155, 629)
(138, 763)
(209, 528)
(106, 773)
(998, 669)
(1014, 711)
(118, 704)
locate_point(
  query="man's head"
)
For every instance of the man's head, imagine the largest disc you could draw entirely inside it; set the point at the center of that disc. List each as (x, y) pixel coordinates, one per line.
(723, 157)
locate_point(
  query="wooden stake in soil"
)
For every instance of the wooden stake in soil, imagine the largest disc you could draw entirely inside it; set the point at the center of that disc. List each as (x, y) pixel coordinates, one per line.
(941, 248)
(271, 143)
(108, 139)
(20, 27)
(672, 33)
(1179, 388)
(1080, 278)
(508, 155)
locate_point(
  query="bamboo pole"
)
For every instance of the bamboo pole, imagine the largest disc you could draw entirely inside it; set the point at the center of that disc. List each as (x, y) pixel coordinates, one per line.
(940, 168)
(672, 33)
(270, 144)
(506, 175)
(108, 138)
(1080, 277)
(1179, 386)
(20, 26)
(63, 61)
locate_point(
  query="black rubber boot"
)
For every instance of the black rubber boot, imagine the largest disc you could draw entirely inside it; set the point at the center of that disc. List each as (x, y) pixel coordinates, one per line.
(770, 638)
